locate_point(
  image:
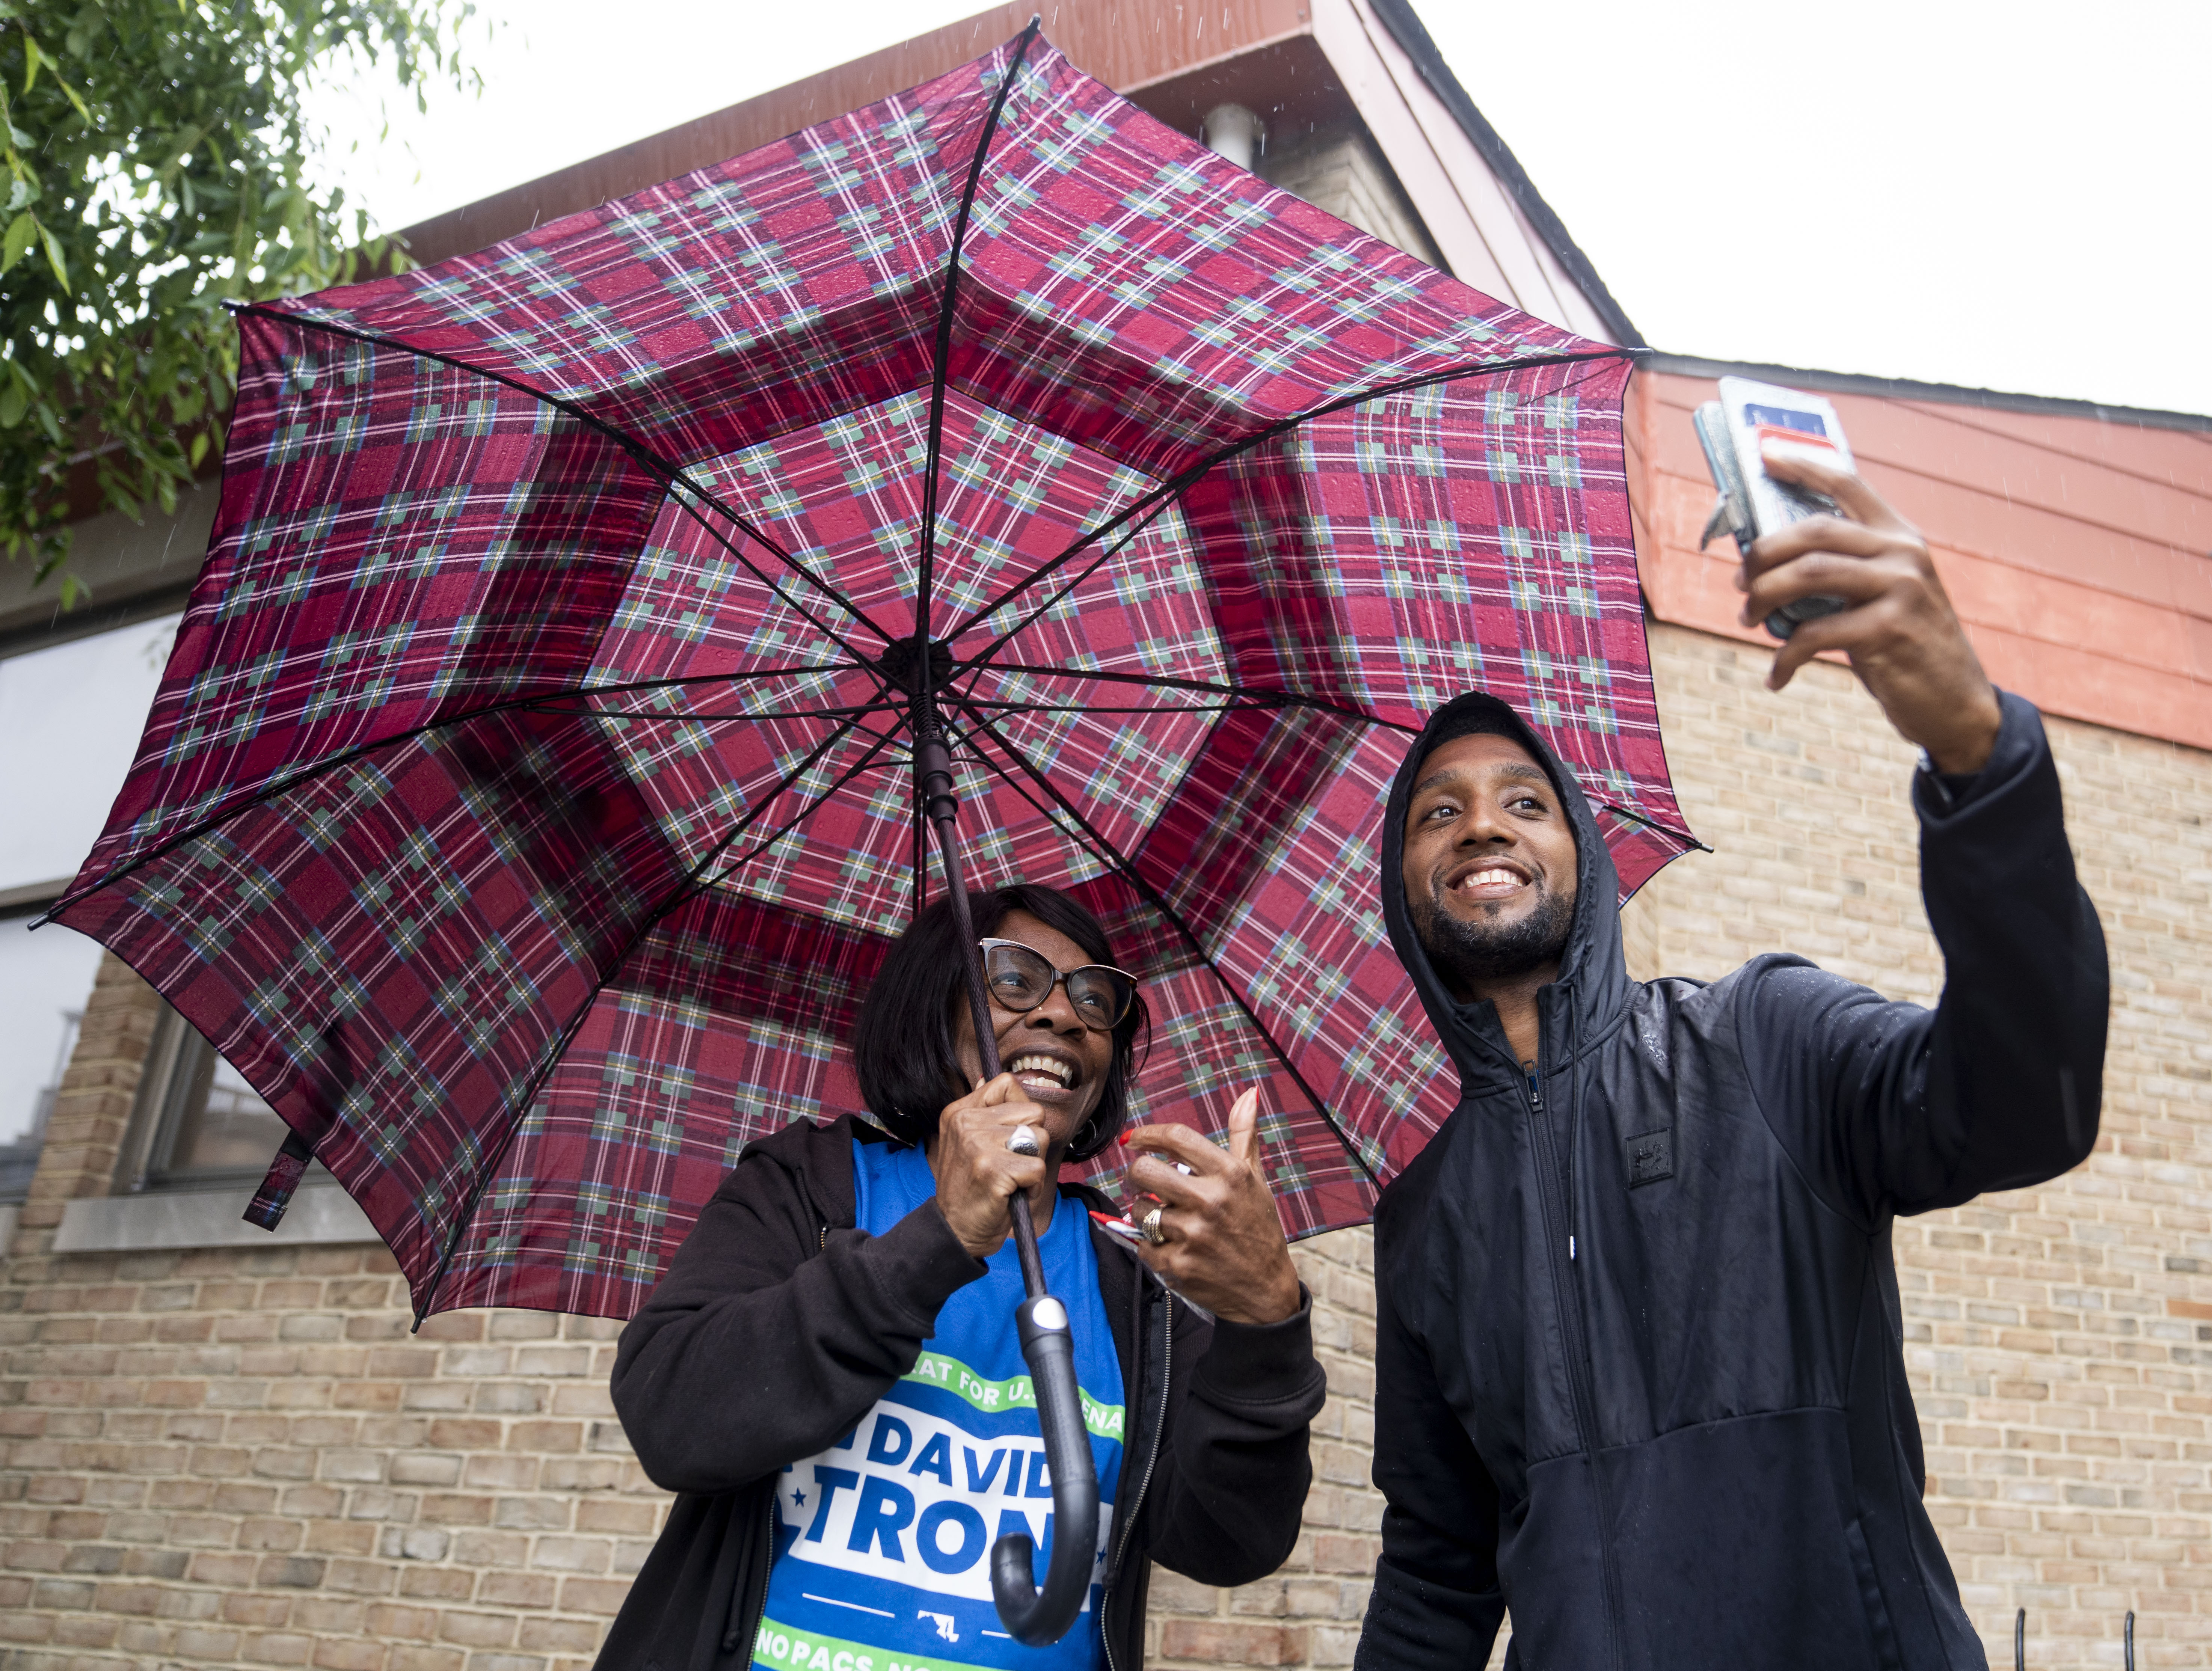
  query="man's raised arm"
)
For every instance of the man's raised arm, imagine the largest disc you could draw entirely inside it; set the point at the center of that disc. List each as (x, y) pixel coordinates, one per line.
(2000, 1085)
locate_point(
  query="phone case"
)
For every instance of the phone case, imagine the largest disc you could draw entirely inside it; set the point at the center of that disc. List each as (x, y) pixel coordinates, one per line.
(1732, 432)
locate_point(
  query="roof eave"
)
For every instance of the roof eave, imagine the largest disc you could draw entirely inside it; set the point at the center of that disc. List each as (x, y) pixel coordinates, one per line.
(1405, 28)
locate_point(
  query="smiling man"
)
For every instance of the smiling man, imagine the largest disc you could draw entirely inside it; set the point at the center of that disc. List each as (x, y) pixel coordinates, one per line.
(1639, 1371)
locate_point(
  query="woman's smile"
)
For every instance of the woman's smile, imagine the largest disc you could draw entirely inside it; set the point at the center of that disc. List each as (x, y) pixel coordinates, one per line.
(1049, 1072)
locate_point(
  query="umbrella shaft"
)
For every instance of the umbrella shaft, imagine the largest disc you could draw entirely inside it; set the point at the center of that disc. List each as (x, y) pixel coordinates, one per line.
(979, 997)
(1026, 1246)
(932, 772)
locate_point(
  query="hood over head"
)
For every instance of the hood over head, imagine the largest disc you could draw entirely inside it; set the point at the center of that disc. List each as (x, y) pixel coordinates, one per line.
(1593, 981)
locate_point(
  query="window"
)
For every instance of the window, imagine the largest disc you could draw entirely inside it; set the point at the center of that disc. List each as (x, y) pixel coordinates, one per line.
(199, 1125)
(44, 980)
(70, 718)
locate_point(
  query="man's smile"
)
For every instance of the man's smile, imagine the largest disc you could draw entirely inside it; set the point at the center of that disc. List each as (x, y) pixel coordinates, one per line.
(1488, 878)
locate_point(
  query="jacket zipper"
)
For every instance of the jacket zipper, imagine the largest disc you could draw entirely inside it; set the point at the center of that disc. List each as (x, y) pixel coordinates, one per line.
(1575, 1334)
(1144, 1480)
(743, 1641)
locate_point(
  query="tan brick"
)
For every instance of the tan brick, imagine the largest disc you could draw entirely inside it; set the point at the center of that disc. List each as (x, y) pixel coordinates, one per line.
(436, 1583)
(561, 1636)
(406, 1657)
(457, 1434)
(478, 1630)
(546, 1438)
(600, 1596)
(1221, 1641)
(349, 1654)
(519, 1589)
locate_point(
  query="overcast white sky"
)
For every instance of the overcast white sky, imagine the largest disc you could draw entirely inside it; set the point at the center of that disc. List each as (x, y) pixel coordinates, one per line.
(2009, 198)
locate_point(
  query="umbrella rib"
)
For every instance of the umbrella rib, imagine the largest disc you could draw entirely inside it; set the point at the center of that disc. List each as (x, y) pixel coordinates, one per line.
(1177, 485)
(1684, 836)
(1145, 512)
(1258, 703)
(754, 570)
(1106, 850)
(883, 739)
(670, 475)
(324, 768)
(685, 891)
(547, 706)
(1205, 687)
(941, 352)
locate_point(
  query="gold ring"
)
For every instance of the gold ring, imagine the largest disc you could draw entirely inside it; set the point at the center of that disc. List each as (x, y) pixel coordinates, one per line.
(1149, 1225)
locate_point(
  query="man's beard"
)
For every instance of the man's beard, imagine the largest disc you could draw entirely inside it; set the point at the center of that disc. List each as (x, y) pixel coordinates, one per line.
(1467, 954)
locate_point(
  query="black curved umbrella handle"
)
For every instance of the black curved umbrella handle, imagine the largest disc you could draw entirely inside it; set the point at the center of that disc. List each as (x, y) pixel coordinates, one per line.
(1034, 1617)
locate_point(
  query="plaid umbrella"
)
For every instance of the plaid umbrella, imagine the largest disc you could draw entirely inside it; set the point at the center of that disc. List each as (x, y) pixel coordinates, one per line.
(530, 796)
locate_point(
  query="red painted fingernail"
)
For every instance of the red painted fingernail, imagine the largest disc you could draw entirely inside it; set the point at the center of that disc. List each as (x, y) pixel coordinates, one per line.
(1123, 1139)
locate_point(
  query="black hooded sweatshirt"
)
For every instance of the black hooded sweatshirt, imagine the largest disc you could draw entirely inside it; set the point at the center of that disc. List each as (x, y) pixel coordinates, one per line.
(1638, 1364)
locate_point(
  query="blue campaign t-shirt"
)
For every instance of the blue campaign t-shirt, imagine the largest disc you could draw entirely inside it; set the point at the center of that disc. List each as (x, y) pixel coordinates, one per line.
(884, 1540)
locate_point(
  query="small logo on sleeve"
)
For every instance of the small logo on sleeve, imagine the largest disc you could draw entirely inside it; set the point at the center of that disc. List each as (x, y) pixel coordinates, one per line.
(1651, 1157)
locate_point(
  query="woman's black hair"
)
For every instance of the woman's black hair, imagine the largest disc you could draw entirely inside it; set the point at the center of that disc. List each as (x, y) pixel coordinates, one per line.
(903, 1041)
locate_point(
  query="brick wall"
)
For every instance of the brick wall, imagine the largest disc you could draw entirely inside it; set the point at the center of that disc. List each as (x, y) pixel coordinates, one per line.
(92, 1103)
(1308, 1614)
(242, 1458)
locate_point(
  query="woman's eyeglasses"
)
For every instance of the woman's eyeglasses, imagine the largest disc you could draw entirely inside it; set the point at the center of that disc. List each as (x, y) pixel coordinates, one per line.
(1019, 978)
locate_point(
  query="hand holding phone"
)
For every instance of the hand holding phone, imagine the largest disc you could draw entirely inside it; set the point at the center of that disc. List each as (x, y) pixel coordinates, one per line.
(1734, 432)
(1898, 629)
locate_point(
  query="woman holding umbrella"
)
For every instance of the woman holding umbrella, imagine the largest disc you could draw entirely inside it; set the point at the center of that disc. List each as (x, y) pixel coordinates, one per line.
(829, 1378)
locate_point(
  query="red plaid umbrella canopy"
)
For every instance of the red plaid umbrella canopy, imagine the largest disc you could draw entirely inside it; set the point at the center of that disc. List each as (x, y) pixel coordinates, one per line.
(529, 798)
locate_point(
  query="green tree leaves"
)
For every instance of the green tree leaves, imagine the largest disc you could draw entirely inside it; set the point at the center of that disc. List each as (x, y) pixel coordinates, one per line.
(156, 163)
(23, 232)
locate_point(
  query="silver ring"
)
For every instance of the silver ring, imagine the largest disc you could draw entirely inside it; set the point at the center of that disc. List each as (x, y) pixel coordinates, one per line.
(1149, 1227)
(1022, 1141)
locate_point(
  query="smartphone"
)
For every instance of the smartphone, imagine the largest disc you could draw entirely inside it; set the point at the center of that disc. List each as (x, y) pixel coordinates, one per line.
(1129, 1232)
(1733, 432)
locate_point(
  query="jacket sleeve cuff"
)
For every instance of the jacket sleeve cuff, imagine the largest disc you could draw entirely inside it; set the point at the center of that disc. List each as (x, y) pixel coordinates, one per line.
(1939, 796)
(1259, 1363)
(920, 1263)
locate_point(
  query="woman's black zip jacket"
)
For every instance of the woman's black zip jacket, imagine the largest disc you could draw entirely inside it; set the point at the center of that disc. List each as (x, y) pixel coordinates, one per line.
(1639, 1366)
(778, 1325)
